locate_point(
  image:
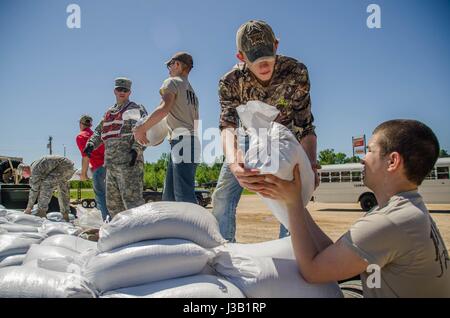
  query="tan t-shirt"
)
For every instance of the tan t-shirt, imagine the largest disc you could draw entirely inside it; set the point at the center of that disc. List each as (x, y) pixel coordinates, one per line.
(403, 240)
(185, 109)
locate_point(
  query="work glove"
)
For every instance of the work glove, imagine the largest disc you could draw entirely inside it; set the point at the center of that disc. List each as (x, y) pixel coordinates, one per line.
(88, 149)
(133, 154)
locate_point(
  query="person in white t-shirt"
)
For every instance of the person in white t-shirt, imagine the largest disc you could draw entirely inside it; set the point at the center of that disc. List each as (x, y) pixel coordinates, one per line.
(180, 105)
(396, 248)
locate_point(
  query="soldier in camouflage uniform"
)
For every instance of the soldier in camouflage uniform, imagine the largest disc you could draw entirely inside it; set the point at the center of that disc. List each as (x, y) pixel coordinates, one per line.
(46, 175)
(124, 160)
(276, 80)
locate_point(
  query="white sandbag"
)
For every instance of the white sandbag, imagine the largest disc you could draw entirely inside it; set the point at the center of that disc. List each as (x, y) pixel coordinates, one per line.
(156, 134)
(73, 243)
(17, 243)
(13, 260)
(276, 151)
(280, 248)
(58, 217)
(54, 228)
(266, 277)
(197, 286)
(89, 218)
(25, 219)
(18, 228)
(21, 282)
(145, 262)
(37, 252)
(159, 220)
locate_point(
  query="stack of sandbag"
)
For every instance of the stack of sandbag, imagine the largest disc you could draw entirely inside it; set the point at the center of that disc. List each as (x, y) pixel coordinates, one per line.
(268, 270)
(159, 249)
(49, 270)
(14, 246)
(18, 231)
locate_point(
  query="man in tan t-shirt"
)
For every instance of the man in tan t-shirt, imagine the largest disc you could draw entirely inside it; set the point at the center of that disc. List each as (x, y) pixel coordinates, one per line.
(396, 248)
(180, 105)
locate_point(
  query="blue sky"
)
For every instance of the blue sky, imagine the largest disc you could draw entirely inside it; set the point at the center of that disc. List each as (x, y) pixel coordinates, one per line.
(51, 74)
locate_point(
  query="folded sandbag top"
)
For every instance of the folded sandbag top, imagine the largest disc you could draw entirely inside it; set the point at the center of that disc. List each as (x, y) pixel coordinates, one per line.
(160, 220)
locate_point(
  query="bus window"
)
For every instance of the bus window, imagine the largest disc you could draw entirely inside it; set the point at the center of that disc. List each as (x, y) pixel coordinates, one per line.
(325, 177)
(442, 173)
(345, 176)
(356, 176)
(335, 177)
(431, 175)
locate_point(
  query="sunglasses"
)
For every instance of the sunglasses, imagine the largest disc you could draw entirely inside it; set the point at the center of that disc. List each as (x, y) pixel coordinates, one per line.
(169, 65)
(122, 90)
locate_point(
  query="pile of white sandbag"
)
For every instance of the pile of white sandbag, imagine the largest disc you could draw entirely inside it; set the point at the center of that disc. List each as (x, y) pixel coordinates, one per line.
(159, 249)
(162, 249)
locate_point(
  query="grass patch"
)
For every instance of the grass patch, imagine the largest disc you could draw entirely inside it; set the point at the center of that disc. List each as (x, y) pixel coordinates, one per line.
(85, 194)
(247, 192)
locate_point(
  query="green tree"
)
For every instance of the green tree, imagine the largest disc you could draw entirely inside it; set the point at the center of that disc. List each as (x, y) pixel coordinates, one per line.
(443, 154)
(329, 157)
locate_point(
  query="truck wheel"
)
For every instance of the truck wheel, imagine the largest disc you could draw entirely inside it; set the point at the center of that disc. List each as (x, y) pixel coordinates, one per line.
(85, 204)
(93, 204)
(7, 175)
(368, 201)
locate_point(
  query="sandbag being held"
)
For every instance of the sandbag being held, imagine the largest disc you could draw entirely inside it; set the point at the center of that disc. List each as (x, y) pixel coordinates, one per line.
(274, 149)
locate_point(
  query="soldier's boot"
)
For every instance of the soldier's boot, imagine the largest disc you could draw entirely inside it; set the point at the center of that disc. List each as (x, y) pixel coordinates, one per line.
(42, 213)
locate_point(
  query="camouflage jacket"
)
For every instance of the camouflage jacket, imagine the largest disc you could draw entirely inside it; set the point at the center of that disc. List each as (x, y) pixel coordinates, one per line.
(288, 91)
(116, 132)
(52, 170)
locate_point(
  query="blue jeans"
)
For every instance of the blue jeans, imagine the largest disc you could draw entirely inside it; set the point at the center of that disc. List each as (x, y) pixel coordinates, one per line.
(98, 180)
(226, 198)
(179, 185)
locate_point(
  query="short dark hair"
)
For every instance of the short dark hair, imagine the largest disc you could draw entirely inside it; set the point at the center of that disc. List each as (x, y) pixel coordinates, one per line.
(414, 141)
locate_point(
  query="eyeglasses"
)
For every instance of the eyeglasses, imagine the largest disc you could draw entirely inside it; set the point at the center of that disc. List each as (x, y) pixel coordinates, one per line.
(122, 90)
(169, 65)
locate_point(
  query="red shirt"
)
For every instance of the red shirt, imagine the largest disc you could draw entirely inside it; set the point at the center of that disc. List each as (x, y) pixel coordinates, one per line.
(97, 156)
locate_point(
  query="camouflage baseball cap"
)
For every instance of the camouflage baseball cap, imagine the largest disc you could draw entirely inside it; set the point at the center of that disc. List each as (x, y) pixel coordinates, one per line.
(86, 120)
(122, 82)
(184, 57)
(256, 39)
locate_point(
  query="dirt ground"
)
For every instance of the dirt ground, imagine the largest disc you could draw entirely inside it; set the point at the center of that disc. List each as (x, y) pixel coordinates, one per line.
(255, 223)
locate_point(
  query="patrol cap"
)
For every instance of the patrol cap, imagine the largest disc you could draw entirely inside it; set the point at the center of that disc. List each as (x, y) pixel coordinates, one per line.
(184, 57)
(256, 39)
(122, 82)
(86, 120)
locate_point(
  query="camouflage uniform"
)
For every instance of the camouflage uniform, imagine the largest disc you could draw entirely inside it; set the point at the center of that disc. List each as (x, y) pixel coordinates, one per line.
(47, 174)
(124, 184)
(288, 91)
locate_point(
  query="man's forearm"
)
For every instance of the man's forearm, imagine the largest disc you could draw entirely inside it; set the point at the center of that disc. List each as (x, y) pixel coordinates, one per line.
(309, 143)
(321, 240)
(84, 165)
(302, 242)
(229, 144)
(160, 112)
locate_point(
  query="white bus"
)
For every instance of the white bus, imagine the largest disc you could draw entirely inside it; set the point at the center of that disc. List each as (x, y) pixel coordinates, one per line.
(343, 184)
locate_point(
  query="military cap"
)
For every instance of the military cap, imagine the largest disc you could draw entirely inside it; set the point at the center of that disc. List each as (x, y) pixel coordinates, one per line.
(86, 120)
(184, 57)
(122, 82)
(256, 39)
